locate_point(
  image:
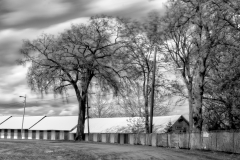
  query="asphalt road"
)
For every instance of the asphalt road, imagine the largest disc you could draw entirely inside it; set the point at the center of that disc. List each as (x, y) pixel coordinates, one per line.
(59, 150)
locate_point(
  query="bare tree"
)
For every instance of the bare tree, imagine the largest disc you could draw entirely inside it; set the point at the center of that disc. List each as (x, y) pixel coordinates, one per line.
(191, 37)
(140, 50)
(141, 39)
(74, 58)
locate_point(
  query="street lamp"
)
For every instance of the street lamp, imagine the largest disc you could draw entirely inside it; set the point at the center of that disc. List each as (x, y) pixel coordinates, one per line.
(25, 101)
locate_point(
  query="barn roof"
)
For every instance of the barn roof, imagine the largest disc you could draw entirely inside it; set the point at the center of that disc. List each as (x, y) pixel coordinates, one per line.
(63, 123)
(16, 122)
(121, 125)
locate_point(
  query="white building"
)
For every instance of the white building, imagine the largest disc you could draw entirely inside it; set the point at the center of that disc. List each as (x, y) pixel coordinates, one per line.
(12, 127)
(124, 124)
(56, 127)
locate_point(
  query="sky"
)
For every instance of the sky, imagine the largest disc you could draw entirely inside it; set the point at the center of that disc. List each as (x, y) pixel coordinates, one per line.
(27, 19)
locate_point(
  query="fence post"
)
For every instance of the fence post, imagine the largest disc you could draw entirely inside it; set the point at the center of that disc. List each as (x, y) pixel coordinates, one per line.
(233, 143)
(154, 140)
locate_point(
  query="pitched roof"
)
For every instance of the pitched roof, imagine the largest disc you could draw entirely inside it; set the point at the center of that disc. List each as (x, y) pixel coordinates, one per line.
(63, 123)
(121, 125)
(4, 118)
(16, 122)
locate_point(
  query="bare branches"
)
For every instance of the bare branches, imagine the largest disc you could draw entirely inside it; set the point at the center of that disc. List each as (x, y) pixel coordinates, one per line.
(76, 56)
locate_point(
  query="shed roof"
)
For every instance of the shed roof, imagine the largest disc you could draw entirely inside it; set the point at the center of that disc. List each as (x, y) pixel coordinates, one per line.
(121, 125)
(16, 122)
(62, 123)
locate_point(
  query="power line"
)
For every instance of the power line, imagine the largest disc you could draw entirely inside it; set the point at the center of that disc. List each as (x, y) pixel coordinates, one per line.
(18, 103)
(52, 99)
(40, 100)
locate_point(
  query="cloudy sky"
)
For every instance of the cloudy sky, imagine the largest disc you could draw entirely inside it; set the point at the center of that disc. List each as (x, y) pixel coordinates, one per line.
(27, 19)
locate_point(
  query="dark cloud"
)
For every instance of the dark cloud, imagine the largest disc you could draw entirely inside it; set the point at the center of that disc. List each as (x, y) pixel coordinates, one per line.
(78, 8)
(9, 46)
(3, 9)
(9, 50)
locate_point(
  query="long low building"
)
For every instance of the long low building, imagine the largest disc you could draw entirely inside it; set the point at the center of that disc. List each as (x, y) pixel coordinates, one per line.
(12, 127)
(125, 124)
(65, 127)
(56, 127)
(37, 127)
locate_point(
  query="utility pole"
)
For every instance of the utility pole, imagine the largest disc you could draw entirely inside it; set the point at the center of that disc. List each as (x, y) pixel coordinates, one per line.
(25, 101)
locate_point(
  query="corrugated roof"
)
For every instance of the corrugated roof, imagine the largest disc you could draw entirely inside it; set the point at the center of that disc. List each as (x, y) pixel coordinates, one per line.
(16, 122)
(4, 118)
(121, 125)
(62, 123)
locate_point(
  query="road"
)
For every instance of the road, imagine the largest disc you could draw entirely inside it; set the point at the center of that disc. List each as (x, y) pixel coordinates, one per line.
(59, 150)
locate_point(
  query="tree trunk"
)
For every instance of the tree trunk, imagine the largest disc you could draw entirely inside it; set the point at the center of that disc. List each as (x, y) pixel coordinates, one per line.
(198, 97)
(81, 97)
(81, 118)
(230, 115)
(189, 84)
(146, 105)
(190, 101)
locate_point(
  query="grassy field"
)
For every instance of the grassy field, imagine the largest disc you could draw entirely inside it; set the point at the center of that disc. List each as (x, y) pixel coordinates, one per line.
(62, 150)
(36, 150)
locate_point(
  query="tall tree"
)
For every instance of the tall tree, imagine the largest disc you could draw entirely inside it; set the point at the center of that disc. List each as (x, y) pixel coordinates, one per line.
(192, 34)
(141, 42)
(74, 58)
(221, 99)
(140, 51)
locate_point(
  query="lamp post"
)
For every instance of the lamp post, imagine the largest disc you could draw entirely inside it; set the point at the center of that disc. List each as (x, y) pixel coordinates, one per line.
(25, 101)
